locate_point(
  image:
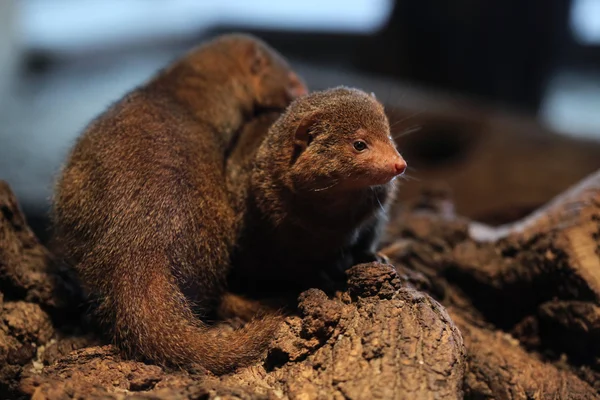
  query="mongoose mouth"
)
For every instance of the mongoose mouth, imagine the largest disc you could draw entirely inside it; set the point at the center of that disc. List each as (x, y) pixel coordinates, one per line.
(383, 179)
(377, 178)
(374, 173)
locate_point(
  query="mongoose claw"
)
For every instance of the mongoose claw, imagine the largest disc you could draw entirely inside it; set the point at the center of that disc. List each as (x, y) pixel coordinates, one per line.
(382, 258)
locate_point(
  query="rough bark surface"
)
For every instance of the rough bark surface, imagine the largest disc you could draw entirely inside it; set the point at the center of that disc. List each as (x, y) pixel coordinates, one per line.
(380, 339)
(524, 295)
(463, 311)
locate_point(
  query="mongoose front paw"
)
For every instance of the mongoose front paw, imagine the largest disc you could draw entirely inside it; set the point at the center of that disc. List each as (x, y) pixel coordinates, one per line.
(382, 258)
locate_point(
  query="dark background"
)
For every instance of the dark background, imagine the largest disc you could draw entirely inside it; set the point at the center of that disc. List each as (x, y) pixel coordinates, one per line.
(63, 61)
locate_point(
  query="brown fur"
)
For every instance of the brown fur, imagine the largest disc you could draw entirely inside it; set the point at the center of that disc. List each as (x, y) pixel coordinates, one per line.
(241, 159)
(142, 212)
(314, 201)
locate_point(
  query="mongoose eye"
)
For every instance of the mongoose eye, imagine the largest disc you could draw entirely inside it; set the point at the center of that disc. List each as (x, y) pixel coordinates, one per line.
(359, 145)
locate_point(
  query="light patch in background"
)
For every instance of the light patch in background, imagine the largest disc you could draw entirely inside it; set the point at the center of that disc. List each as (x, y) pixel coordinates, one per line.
(73, 25)
(572, 100)
(572, 104)
(585, 21)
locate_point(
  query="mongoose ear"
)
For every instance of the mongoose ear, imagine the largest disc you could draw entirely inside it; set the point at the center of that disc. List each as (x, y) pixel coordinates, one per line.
(258, 59)
(373, 95)
(303, 135)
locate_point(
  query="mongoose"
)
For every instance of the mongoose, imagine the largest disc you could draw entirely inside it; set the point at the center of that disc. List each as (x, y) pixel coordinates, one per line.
(142, 212)
(317, 191)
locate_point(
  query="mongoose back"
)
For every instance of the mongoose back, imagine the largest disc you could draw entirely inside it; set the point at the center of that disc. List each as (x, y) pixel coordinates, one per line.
(142, 212)
(318, 191)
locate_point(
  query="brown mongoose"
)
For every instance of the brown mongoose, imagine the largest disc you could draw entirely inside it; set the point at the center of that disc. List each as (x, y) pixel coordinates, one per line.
(141, 208)
(318, 190)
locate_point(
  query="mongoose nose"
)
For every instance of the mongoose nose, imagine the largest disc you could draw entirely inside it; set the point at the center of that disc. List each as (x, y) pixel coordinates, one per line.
(399, 167)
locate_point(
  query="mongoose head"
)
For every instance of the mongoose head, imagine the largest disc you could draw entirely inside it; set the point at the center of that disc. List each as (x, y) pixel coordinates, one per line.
(341, 142)
(265, 75)
(273, 84)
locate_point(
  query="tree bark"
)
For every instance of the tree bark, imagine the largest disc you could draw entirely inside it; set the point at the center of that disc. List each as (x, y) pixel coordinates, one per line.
(466, 311)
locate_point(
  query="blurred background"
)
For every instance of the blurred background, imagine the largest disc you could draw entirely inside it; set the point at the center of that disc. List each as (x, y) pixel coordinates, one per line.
(501, 97)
